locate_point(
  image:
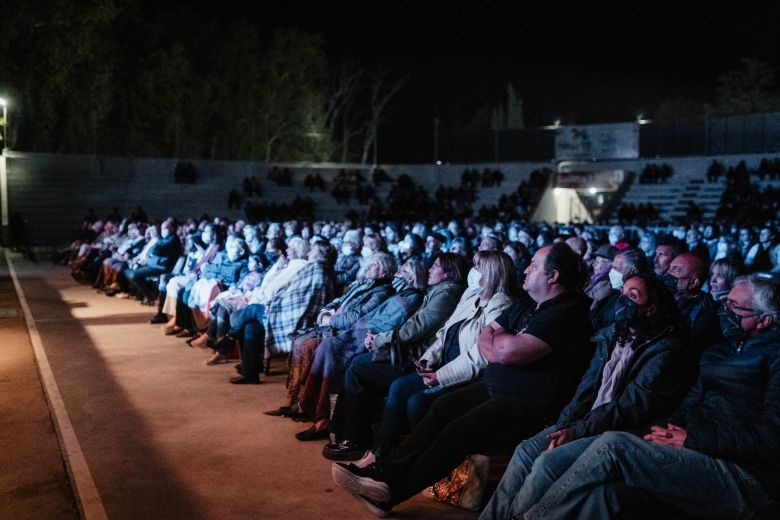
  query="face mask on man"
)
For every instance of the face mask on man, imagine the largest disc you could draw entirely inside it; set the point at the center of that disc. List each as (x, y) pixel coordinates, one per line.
(731, 325)
(346, 249)
(615, 279)
(474, 278)
(366, 252)
(670, 282)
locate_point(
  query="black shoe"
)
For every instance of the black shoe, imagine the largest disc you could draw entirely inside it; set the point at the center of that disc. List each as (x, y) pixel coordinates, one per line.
(224, 343)
(282, 411)
(159, 318)
(286, 411)
(186, 334)
(239, 368)
(344, 450)
(312, 434)
(243, 380)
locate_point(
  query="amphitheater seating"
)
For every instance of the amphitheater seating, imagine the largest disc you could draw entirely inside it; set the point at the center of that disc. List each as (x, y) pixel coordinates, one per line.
(671, 199)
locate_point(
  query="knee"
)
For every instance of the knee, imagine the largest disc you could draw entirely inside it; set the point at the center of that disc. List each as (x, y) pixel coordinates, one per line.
(416, 407)
(254, 332)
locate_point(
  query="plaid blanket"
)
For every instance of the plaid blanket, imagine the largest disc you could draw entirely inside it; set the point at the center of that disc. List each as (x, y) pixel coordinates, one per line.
(295, 306)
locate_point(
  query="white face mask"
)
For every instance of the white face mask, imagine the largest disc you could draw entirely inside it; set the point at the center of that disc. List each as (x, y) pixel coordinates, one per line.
(233, 253)
(615, 279)
(346, 249)
(473, 278)
(366, 252)
(165, 232)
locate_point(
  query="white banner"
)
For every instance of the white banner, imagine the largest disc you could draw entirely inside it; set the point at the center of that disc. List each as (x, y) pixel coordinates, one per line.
(612, 141)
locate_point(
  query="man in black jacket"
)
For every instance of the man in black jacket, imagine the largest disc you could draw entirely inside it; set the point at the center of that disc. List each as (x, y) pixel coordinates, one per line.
(719, 453)
(162, 258)
(639, 372)
(685, 278)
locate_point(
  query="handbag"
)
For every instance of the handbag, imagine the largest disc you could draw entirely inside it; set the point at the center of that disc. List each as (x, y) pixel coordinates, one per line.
(471, 483)
(465, 486)
(391, 352)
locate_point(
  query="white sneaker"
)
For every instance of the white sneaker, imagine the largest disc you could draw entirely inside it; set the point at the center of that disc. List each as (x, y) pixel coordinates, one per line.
(368, 458)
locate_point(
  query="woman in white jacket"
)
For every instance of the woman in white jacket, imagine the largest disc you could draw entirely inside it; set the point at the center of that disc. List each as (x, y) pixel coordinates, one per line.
(454, 358)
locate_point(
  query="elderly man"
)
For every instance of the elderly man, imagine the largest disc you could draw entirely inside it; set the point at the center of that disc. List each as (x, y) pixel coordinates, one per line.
(685, 277)
(625, 263)
(534, 363)
(717, 455)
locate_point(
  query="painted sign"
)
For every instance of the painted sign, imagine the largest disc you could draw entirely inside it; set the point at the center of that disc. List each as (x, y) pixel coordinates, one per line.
(611, 141)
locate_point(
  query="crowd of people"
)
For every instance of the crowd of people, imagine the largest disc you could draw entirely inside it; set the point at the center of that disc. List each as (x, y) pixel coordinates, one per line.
(626, 371)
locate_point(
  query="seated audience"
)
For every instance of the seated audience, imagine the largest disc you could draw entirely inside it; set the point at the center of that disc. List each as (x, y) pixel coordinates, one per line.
(717, 454)
(533, 366)
(267, 330)
(452, 360)
(639, 372)
(322, 368)
(161, 259)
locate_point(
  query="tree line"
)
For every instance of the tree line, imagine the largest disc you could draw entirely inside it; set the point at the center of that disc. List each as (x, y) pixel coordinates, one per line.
(118, 78)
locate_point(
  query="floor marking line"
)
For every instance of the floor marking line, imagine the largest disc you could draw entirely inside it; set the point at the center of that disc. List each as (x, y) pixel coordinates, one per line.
(87, 497)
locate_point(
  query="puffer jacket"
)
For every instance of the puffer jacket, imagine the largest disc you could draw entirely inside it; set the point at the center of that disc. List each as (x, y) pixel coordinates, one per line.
(361, 298)
(701, 311)
(652, 383)
(393, 312)
(437, 306)
(733, 410)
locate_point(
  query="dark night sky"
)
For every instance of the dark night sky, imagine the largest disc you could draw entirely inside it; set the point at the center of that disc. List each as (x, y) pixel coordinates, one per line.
(597, 62)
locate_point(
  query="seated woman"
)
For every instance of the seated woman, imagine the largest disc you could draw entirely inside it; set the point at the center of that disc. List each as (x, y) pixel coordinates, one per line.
(722, 274)
(446, 285)
(452, 360)
(288, 261)
(339, 318)
(202, 250)
(90, 253)
(126, 249)
(267, 328)
(408, 285)
(234, 297)
(224, 271)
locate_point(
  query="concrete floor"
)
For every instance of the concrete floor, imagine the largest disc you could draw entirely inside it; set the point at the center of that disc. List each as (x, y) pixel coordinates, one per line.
(163, 435)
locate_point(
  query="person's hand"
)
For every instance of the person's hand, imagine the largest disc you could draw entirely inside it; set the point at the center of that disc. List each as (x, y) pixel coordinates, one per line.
(370, 342)
(559, 438)
(429, 378)
(672, 435)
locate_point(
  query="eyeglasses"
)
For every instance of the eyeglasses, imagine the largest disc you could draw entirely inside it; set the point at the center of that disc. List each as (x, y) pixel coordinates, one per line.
(731, 305)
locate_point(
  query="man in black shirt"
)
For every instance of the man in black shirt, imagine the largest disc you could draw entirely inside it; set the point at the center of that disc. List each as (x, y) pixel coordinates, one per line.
(537, 351)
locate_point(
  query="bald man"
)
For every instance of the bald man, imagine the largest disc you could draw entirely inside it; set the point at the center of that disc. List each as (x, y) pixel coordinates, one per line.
(685, 278)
